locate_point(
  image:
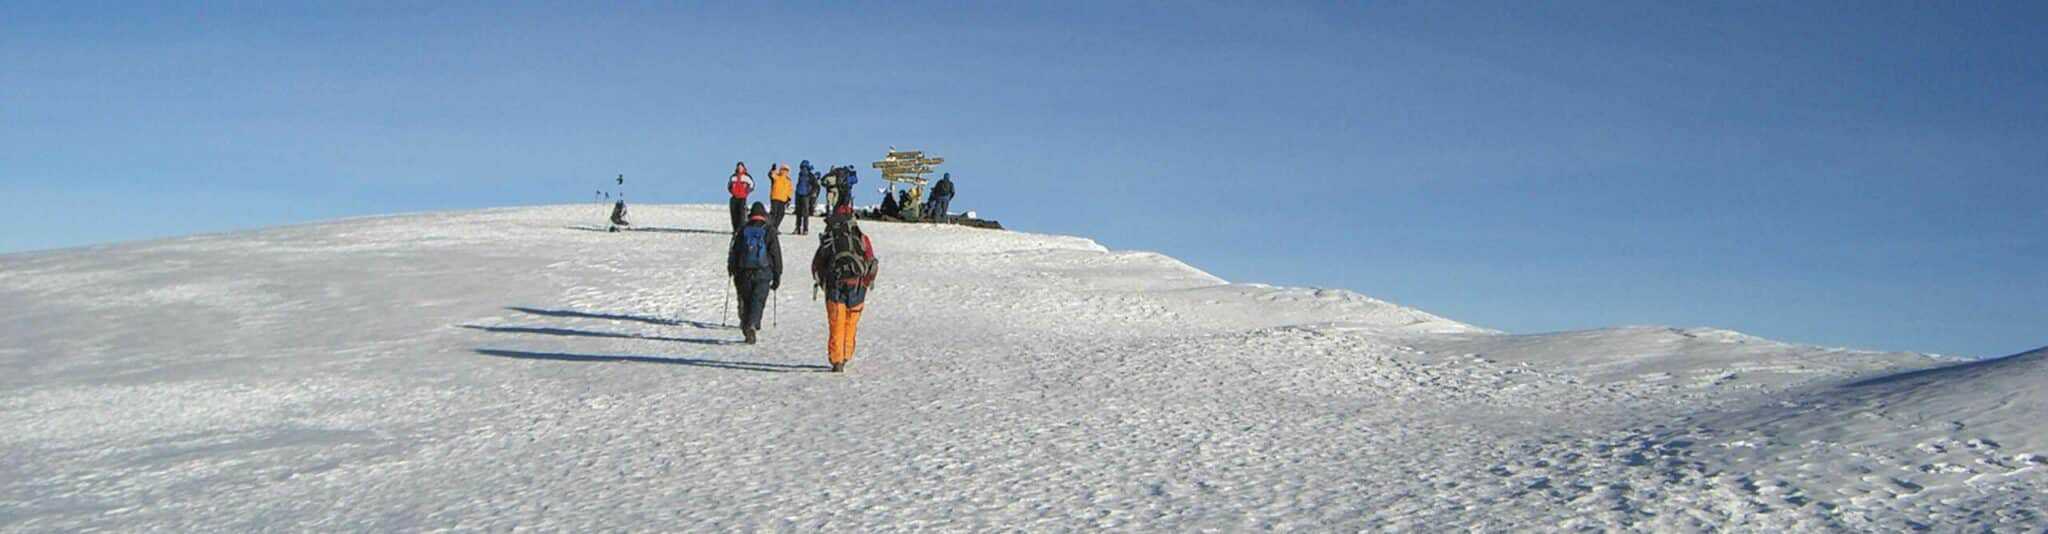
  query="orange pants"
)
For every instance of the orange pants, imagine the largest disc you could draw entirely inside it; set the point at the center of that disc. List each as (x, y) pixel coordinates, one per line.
(842, 321)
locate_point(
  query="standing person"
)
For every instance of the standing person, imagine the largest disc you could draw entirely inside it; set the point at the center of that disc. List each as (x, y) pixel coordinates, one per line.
(830, 183)
(740, 184)
(845, 267)
(842, 189)
(755, 263)
(942, 197)
(806, 196)
(780, 190)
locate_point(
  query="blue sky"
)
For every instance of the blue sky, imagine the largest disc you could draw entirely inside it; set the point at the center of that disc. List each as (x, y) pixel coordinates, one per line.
(1863, 174)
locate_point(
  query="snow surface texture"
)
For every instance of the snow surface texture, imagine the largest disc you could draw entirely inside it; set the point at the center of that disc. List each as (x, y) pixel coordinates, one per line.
(520, 367)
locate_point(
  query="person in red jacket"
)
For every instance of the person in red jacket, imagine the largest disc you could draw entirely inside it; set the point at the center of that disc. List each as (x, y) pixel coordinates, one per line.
(845, 267)
(740, 185)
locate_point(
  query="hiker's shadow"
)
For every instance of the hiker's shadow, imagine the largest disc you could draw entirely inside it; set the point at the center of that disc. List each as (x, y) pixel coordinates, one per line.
(655, 229)
(697, 362)
(618, 317)
(551, 331)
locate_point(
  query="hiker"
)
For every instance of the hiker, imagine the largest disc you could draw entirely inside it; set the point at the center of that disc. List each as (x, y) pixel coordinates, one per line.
(842, 181)
(889, 207)
(829, 184)
(740, 185)
(619, 216)
(806, 195)
(780, 190)
(755, 264)
(942, 196)
(844, 267)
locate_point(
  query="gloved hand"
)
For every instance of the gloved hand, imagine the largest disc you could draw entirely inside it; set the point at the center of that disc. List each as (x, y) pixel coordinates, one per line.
(775, 285)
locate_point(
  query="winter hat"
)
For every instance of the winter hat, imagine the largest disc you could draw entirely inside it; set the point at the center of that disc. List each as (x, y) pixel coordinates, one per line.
(757, 213)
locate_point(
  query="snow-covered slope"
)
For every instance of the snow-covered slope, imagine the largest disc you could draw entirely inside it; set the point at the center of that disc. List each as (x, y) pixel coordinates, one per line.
(519, 368)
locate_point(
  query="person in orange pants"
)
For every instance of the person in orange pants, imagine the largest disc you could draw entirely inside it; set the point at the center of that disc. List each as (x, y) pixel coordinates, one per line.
(845, 321)
(844, 267)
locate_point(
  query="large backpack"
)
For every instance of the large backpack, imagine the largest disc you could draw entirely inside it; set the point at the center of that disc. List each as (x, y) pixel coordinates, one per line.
(848, 262)
(753, 247)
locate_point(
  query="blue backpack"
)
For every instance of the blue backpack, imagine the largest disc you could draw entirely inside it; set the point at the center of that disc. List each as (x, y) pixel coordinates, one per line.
(805, 182)
(753, 247)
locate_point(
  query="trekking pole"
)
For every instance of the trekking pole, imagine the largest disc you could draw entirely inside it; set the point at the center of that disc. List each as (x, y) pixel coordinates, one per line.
(774, 308)
(724, 305)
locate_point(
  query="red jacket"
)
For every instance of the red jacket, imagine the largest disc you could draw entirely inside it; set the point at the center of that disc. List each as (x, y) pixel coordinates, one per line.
(740, 186)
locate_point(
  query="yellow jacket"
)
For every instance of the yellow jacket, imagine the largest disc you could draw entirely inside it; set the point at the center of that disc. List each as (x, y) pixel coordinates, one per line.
(780, 188)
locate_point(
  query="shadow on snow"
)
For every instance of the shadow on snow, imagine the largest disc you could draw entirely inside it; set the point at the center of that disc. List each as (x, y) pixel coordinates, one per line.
(698, 362)
(656, 229)
(617, 317)
(547, 331)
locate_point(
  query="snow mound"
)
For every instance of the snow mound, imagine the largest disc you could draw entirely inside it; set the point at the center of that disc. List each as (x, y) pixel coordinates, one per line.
(1907, 442)
(522, 368)
(1694, 356)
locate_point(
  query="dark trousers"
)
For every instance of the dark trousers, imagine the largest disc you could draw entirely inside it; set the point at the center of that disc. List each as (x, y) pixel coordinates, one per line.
(804, 204)
(738, 207)
(776, 209)
(848, 295)
(935, 209)
(753, 287)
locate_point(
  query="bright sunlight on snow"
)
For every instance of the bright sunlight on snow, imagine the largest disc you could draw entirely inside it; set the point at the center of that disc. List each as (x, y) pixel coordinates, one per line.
(522, 368)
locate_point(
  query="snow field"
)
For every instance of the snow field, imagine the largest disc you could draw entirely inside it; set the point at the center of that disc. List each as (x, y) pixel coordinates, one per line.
(521, 368)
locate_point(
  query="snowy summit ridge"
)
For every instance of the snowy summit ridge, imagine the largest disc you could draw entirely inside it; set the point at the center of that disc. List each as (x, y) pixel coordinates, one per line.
(522, 368)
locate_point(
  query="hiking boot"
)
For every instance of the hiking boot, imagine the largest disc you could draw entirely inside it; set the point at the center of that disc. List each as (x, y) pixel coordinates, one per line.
(750, 335)
(838, 367)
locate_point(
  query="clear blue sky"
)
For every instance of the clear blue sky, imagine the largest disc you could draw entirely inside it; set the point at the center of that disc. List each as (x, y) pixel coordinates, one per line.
(1864, 174)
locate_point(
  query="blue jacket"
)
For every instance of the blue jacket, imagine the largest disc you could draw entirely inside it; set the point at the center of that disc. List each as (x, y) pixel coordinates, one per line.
(806, 180)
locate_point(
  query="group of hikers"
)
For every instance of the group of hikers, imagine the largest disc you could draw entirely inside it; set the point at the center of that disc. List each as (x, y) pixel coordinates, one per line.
(895, 206)
(843, 268)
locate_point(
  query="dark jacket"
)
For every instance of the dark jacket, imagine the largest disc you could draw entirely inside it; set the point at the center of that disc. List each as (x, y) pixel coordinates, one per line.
(806, 182)
(889, 205)
(944, 189)
(734, 251)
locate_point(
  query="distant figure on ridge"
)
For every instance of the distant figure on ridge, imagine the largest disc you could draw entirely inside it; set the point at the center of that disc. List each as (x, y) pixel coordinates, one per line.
(780, 191)
(839, 187)
(755, 263)
(942, 197)
(806, 196)
(845, 267)
(890, 207)
(740, 185)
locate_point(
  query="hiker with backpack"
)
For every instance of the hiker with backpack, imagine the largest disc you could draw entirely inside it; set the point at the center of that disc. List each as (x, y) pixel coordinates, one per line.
(806, 196)
(942, 196)
(755, 263)
(839, 187)
(780, 191)
(844, 267)
(740, 185)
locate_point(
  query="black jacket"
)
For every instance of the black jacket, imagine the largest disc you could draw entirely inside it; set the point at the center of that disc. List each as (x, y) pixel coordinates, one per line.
(733, 252)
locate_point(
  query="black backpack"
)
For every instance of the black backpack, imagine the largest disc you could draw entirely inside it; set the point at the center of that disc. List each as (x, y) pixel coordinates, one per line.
(846, 262)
